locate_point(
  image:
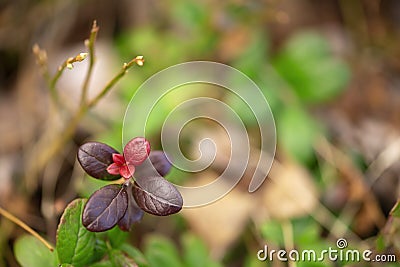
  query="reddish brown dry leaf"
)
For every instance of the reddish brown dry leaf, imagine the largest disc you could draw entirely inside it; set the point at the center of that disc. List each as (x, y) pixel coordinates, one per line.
(289, 193)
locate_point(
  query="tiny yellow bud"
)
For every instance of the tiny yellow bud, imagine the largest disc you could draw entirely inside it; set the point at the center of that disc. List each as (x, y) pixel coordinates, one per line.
(70, 66)
(81, 56)
(139, 60)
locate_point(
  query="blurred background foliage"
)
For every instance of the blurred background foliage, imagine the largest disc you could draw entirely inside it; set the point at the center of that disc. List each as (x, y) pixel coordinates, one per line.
(329, 70)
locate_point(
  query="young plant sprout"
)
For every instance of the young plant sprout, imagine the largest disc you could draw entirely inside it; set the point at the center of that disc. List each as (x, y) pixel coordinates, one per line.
(144, 187)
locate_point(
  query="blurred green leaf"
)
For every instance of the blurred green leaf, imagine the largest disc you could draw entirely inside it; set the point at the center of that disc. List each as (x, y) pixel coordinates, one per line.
(192, 20)
(190, 15)
(119, 259)
(177, 176)
(30, 252)
(100, 249)
(135, 254)
(117, 237)
(306, 236)
(252, 261)
(159, 49)
(380, 243)
(102, 264)
(270, 84)
(90, 185)
(297, 132)
(271, 231)
(160, 251)
(74, 243)
(308, 66)
(306, 231)
(313, 264)
(254, 57)
(112, 136)
(195, 252)
(246, 113)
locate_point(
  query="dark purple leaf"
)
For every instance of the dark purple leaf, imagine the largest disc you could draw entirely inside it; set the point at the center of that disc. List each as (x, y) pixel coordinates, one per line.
(133, 212)
(95, 157)
(136, 150)
(157, 196)
(155, 165)
(105, 208)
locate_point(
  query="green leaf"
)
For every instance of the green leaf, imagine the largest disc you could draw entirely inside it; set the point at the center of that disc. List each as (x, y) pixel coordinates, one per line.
(252, 260)
(119, 259)
(380, 243)
(271, 231)
(313, 264)
(307, 64)
(306, 231)
(396, 210)
(190, 15)
(117, 237)
(254, 56)
(30, 252)
(74, 243)
(135, 254)
(269, 86)
(297, 133)
(102, 264)
(100, 249)
(196, 253)
(90, 185)
(161, 252)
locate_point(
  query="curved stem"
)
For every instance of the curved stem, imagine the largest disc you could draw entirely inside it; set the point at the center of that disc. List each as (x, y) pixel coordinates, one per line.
(90, 44)
(47, 148)
(24, 226)
(137, 60)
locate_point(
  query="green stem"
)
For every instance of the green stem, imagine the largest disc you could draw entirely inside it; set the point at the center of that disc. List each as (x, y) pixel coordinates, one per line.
(91, 46)
(45, 150)
(138, 60)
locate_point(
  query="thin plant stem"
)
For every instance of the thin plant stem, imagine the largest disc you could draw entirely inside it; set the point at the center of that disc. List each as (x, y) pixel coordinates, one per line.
(41, 59)
(287, 230)
(137, 60)
(48, 150)
(91, 45)
(24, 226)
(66, 64)
(46, 147)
